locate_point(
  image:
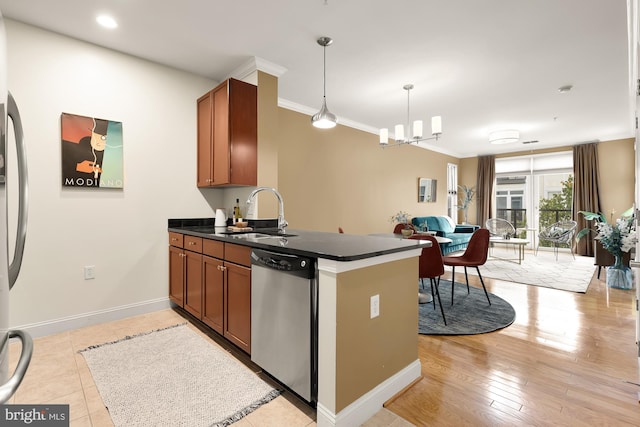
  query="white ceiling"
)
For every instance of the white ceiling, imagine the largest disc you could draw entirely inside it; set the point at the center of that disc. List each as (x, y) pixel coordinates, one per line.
(481, 65)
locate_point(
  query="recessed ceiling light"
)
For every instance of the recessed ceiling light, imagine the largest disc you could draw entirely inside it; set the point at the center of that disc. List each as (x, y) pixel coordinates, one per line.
(107, 21)
(565, 88)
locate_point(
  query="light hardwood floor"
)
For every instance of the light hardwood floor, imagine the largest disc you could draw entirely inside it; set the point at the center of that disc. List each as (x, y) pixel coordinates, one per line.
(569, 359)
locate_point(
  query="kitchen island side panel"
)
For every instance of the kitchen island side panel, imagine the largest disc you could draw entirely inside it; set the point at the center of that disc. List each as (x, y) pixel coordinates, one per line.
(370, 351)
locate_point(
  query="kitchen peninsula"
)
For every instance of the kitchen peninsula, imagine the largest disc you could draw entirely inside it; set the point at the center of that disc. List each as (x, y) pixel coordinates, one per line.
(363, 360)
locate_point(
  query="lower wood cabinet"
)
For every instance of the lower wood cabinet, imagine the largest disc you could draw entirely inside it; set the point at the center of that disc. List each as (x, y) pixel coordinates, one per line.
(193, 283)
(213, 283)
(237, 296)
(176, 275)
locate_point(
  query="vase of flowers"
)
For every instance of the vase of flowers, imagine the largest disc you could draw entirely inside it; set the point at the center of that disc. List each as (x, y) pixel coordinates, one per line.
(616, 238)
(403, 218)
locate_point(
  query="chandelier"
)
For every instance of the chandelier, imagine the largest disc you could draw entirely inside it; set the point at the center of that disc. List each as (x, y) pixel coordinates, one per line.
(402, 137)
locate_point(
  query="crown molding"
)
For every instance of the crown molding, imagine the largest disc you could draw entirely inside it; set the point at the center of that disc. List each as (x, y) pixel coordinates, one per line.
(254, 64)
(310, 111)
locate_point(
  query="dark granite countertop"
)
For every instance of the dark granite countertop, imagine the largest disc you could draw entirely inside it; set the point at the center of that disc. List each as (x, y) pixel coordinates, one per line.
(315, 244)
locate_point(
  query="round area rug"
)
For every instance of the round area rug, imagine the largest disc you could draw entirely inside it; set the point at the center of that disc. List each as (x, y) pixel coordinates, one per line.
(470, 313)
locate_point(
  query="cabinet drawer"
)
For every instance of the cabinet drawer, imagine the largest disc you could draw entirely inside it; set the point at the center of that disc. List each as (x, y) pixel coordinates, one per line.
(237, 254)
(176, 239)
(213, 248)
(193, 243)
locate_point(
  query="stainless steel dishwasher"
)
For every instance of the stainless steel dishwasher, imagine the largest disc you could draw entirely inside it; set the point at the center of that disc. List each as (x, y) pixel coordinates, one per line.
(284, 319)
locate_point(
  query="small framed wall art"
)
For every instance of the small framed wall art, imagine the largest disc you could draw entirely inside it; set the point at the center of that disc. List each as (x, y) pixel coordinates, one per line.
(91, 152)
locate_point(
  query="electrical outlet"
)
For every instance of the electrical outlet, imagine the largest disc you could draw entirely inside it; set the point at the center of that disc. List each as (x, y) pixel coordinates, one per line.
(375, 306)
(89, 272)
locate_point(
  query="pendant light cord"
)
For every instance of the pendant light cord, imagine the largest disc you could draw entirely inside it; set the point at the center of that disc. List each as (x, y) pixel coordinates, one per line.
(324, 71)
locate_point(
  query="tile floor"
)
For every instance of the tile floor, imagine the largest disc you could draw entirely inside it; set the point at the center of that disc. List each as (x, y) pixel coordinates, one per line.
(58, 374)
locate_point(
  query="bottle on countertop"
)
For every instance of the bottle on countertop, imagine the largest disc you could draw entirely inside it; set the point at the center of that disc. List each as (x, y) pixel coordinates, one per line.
(237, 215)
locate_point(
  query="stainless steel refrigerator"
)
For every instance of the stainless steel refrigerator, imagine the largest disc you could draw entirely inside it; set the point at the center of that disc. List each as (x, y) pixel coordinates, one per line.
(9, 269)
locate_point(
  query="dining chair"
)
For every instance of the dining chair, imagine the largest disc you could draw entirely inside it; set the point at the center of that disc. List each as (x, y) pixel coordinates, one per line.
(431, 267)
(474, 256)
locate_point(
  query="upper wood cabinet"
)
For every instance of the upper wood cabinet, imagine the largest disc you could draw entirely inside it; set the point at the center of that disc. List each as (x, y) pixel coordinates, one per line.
(228, 135)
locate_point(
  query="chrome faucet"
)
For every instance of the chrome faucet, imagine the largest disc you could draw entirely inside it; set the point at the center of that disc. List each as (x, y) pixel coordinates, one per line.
(282, 223)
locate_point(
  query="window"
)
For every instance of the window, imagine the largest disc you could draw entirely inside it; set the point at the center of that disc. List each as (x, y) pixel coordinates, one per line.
(534, 191)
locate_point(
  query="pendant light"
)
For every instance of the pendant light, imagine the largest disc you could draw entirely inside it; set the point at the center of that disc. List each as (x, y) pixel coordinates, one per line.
(324, 119)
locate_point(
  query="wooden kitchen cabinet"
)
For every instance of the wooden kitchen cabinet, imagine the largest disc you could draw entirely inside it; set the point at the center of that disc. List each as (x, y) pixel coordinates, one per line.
(213, 301)
(185, 272)
(237, 296)
(213, 282)
(228, 135)
(227, 295)
(176, 275)
(193, 283)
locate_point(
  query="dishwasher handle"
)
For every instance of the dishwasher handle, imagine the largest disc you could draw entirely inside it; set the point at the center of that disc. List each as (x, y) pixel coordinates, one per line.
(285, 263)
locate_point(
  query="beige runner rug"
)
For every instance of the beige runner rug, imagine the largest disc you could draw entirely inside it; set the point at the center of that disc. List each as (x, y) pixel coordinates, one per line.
(174, 377)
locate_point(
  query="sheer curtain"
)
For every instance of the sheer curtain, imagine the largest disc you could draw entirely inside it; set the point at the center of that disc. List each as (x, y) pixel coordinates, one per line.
(484, 188)
(586, 196)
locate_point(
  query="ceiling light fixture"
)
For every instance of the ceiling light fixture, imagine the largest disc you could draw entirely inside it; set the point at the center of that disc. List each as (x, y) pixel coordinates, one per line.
(416, 135)
(324, 119)
(506, 136)
(107, 21)
(565, 89)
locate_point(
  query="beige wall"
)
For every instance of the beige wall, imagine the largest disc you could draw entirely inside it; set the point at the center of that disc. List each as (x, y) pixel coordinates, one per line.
(341, 177)
(617, 175)
(268, 142)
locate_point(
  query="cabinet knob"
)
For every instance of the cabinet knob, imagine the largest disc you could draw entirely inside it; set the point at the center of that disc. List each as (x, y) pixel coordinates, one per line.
(173, 239)
(192, 243)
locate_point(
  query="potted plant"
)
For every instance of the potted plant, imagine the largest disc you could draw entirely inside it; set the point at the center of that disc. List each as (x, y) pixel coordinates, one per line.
(403, 218)
(466, 197)
(616, 239)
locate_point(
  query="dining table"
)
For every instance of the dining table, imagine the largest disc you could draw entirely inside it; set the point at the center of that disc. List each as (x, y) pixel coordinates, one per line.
(423, 297)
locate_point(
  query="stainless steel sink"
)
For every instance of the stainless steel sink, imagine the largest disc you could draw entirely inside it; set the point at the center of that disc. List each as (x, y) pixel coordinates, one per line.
(260, 236)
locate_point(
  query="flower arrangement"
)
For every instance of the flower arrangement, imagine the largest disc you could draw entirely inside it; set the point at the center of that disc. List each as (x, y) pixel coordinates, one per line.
(615, 238)
(401, 218)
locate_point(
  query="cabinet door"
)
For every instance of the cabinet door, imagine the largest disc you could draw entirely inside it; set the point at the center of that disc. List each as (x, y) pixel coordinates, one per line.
(205, 128)
(213, 299)
(243, 133)
(221, 148)
(193, 283)
(237, 326)
(176, 275)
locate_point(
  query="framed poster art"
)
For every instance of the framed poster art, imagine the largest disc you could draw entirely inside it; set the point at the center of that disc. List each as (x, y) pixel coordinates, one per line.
(91, 152)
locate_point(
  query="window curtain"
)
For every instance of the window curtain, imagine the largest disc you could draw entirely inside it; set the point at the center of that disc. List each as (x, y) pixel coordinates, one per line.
(484, 188)
(586, 195)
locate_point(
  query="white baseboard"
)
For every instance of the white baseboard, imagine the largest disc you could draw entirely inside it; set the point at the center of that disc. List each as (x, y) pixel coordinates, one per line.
(369, 404)
(56, 326)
